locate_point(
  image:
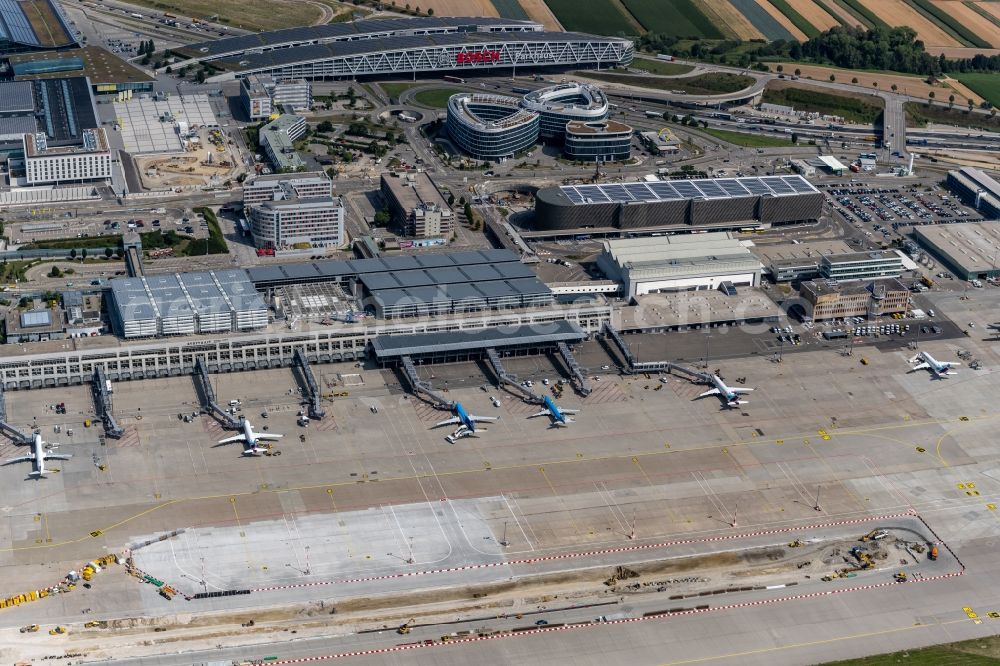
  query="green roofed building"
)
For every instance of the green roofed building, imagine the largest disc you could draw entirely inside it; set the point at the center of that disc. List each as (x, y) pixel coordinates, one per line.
(108, 74)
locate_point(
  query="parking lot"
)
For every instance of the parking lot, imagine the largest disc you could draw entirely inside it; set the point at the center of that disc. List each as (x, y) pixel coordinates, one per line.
(111, 224)
(887, 212)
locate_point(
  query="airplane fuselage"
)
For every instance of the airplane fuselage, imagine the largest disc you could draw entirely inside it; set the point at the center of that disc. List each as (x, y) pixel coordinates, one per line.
(554, 410)
(463, 417)
(37, 451)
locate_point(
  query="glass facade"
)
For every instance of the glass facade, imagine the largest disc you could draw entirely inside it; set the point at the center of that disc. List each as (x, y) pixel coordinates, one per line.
(490, 127)
(598, 141)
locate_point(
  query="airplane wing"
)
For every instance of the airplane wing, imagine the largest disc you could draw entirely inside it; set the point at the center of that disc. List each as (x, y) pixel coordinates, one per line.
(544, 412)
(922, 366)
(267, 437)
(741, 390)
(714, 391)
(235, 438)
(569, 411)
(18, 460)
(486, 419)
(450, 421)
(58, 456)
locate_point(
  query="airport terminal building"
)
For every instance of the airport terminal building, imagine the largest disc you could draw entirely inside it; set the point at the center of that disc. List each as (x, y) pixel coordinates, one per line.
(703, 204)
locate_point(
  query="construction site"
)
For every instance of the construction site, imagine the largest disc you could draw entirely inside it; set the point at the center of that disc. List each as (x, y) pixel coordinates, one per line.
(365, 530)
(207, 160)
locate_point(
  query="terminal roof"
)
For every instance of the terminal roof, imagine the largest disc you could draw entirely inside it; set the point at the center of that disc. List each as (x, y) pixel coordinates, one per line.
(395, 346)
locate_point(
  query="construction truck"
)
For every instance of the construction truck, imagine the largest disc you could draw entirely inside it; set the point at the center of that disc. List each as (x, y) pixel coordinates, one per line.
(404, 628)
(864, 559)
(95, 624)
(900, 577)
(796, 544)
(875, 535)
(167, 592)
(933, 554)
(30, 629)
(57, 631)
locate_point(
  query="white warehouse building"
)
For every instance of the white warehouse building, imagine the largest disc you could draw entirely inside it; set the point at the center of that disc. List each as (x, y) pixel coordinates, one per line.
(679, 263)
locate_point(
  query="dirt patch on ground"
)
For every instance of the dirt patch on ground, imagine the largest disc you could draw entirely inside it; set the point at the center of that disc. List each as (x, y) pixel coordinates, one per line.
(537, 10)
(909, 85)
(459, 7)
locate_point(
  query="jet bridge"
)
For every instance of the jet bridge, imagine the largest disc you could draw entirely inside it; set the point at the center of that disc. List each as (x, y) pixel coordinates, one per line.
(510, 381)
(315, 397)
(422, 388)
(633, 366)
(580, 382)
(615, 336)
(17, 436)
(207, 396)
(101, 388)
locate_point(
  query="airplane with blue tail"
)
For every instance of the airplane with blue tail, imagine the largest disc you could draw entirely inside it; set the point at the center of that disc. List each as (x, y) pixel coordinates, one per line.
(467, 423)
(556, 414)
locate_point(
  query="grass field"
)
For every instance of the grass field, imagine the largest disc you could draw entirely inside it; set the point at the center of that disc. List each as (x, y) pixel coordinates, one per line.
(436, 98)
(706, 84)
(272, 15)
(986, 86)
(679, 18)
(748, 140)
(852, 109)
(918, 114)
(660, 66)
(600, 18)
(394, 89)
(977, 652)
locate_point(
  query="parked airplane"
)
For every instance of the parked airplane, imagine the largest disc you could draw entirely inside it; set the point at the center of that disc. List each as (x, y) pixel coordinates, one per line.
(250, 439)
(939, 369)
(731, 396)
(555, 414)
(38, 456)
(466, 423)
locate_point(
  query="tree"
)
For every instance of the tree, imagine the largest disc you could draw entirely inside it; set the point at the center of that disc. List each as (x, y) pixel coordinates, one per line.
(833, 77)
(169, 69)
(795, 137)
(151, 48)
(951, 101)
(382, 218)
(780, 68)
(108, 253)
(451, 199)
(798, 72)
(55, 272)
(993, 113)
(894, 87)
(971, 105)
(930, 98)
(325, 126)
(854, 80)
(72, 253)
(430, 12)
(875, 84)
(200, 77)
(83, 255)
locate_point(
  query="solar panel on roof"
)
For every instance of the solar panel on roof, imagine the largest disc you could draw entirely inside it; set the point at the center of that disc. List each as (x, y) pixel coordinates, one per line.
(640, 192)
(664, 190)
(733, 187)
(711, 188)
(686, 189)
(755, 185)
(617, 193)
(573, 195)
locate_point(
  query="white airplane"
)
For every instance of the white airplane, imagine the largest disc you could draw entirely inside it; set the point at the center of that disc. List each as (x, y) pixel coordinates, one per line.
(555, 414)
(939, 369)
(250, 439)
(731, 396)
(467, 423)
(38, 456)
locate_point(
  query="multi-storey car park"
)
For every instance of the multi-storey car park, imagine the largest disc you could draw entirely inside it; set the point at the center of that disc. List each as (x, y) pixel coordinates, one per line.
(490, 127)
(405, 46)
(679, 205)
(560, 104)
(33, 26)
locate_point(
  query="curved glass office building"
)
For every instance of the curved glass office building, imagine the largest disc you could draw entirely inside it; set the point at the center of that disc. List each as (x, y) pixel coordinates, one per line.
(558, 105)
(490, 127)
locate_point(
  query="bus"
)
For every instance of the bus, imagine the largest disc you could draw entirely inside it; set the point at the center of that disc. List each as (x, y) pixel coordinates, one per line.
(244, 226)
(654, 114)
(520, 91)
(454, 79)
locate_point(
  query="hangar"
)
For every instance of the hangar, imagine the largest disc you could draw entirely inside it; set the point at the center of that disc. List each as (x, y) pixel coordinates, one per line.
(687, 262)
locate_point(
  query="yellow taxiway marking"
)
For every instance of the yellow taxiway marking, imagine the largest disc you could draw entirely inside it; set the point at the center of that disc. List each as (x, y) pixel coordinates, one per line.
(873, 431)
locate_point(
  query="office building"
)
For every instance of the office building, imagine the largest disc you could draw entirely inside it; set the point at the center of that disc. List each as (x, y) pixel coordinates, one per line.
(67, 164)
(861, 265)
(255, 98)
(490, 127)
(288, 221)
(597, 141)
(564, 103)
(263, 95)
(829, 299)
(305, 185)
(278, 138)
(416, 205)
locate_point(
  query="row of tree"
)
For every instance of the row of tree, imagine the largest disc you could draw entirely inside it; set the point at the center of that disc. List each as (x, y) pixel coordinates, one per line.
(893, 49)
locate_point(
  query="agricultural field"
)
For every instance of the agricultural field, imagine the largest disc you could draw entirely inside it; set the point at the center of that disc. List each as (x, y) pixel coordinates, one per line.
(907, 84)
(977, 652)
(600, 18)
(840, 12)
(455, 7)
(852, 108)
(815, 13)
(679, 18)
(272, 15)
(785, 22)
(538, 11)
(761, 20)
(963, 12)
(985, 85)
(899, 12)
(511, 9)
(730, 21)
(795, 17)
